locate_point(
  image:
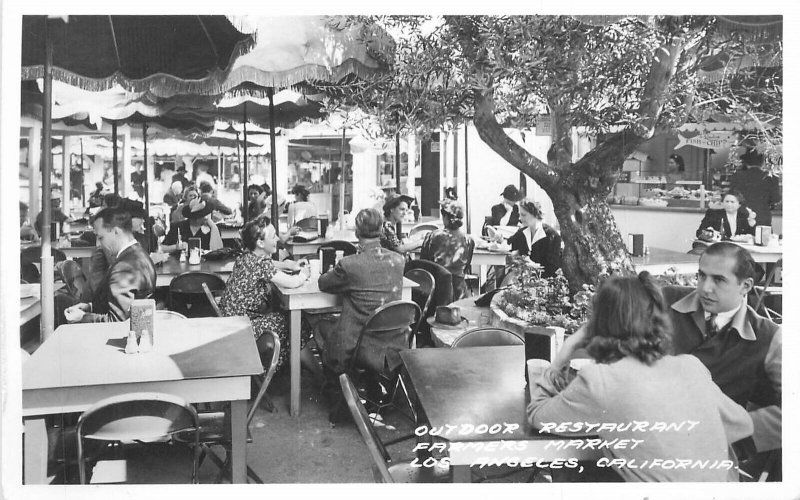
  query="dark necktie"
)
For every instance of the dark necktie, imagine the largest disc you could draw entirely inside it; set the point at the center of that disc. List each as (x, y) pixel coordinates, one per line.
(711, 325)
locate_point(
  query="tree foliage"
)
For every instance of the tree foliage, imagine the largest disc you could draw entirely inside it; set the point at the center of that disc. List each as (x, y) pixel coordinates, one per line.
(620, 82)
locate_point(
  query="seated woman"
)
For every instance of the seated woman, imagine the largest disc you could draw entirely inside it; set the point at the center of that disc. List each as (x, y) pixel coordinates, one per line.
(394, 212)
(634, 379)
(196, 225)
(189, 193)
(732, 219)
(450, 247)
(255, 203)
(301, 208)
(248, 291)
(536, 239)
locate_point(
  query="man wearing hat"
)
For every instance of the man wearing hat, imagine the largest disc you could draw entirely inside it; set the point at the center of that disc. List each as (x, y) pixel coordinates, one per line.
(507, 212)
(394, 212)
(761, 190)
(196, 225)
(56, 215)
(180, 176)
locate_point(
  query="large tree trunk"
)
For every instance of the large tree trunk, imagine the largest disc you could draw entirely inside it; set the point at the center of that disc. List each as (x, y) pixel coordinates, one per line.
(592, 243)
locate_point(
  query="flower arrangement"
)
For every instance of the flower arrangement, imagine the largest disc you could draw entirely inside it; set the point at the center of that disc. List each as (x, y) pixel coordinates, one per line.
(544, 301)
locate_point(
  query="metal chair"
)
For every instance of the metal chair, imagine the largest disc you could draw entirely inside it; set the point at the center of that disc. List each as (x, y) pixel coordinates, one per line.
(423, 228)
(383, 470)
(145, 416)
(29, 257)
(211, 299)
(214, 426)
(387, 331)
(442, 294)
(186, 295)
(345, 246)
(761, 292)
(482, 337)
(162, 314)
(421, 295)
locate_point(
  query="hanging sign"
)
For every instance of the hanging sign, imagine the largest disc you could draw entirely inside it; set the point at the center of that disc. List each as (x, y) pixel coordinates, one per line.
(544, 125)
(708, 140)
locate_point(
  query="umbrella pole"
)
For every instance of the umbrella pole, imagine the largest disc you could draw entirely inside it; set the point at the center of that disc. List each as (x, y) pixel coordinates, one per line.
(466, 176)
(83, 178)
(272, 163)
(246, 159)
(47, 298)
(397, 172)
(147, 227)
(115, 163)
(342, 185)
(243, 180)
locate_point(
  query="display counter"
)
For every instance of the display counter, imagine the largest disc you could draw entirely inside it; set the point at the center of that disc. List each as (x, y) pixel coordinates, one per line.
(671, 228)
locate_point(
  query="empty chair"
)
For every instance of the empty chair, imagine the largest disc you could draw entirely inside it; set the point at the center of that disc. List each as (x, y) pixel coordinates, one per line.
(442, 294)
(383, 470)
(423, 228)
(421, 295)
(137, 416)
(215, 427)
(186, 295)
(164, 314)
(345, 246)
(482, 337)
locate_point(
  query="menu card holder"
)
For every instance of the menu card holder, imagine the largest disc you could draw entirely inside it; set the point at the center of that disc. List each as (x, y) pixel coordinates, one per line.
(142, 316)
(763, 235)
(327, 257)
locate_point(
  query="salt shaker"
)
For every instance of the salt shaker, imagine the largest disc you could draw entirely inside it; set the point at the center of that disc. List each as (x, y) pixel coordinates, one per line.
(131, 347)
(146, 342)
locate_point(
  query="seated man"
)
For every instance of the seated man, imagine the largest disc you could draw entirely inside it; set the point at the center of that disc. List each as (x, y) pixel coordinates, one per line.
(130, 276)
(741, 349)
(56, 214)
(366, 281)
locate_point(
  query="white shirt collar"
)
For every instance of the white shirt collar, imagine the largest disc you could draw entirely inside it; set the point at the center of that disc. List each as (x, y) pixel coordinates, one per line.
(724, 318)
(534, 237)
(731, 222)
(129, 244)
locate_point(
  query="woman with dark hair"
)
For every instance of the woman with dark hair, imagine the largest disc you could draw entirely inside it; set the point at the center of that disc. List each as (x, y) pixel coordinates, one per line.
(394, 212)
(301, 208)
(734, 218)
(248, 291)
(450, 247)
(536, 239)
(634, 381)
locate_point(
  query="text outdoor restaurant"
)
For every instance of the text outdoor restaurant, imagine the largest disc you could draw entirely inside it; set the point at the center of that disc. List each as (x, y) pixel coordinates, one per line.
(354, 249)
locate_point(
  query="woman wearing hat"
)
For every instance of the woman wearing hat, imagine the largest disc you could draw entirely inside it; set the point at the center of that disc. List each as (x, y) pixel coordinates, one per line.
(189, 193)
(450, 247)
(507, 212)
(394, 212)
(196, 225)
(301, 208)
(536, 239)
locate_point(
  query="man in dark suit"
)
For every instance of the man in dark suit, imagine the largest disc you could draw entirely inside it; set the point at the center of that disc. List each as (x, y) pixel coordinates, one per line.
(131, 275)
(741, 349)
(506, 213)
(366, 281)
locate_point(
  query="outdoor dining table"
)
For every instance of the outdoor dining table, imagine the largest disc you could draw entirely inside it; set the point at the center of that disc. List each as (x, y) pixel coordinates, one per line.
(479, 386)
(309, 296)
(172, 267)
(70, 252)
(481, 257)
(199, 360)
(659, 260)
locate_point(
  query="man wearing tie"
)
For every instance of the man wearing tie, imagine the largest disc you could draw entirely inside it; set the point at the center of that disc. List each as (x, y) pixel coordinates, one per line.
(741, 349)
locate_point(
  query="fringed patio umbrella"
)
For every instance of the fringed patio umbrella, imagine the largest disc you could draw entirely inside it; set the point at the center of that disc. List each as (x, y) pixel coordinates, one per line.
(176, 54)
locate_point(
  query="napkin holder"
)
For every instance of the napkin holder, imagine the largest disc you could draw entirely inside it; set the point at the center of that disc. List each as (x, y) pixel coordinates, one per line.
(763, 235)
(448, 315)
(142, 316)
(327, 257)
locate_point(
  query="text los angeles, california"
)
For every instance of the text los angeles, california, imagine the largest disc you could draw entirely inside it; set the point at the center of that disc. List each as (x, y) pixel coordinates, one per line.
(495, 445)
